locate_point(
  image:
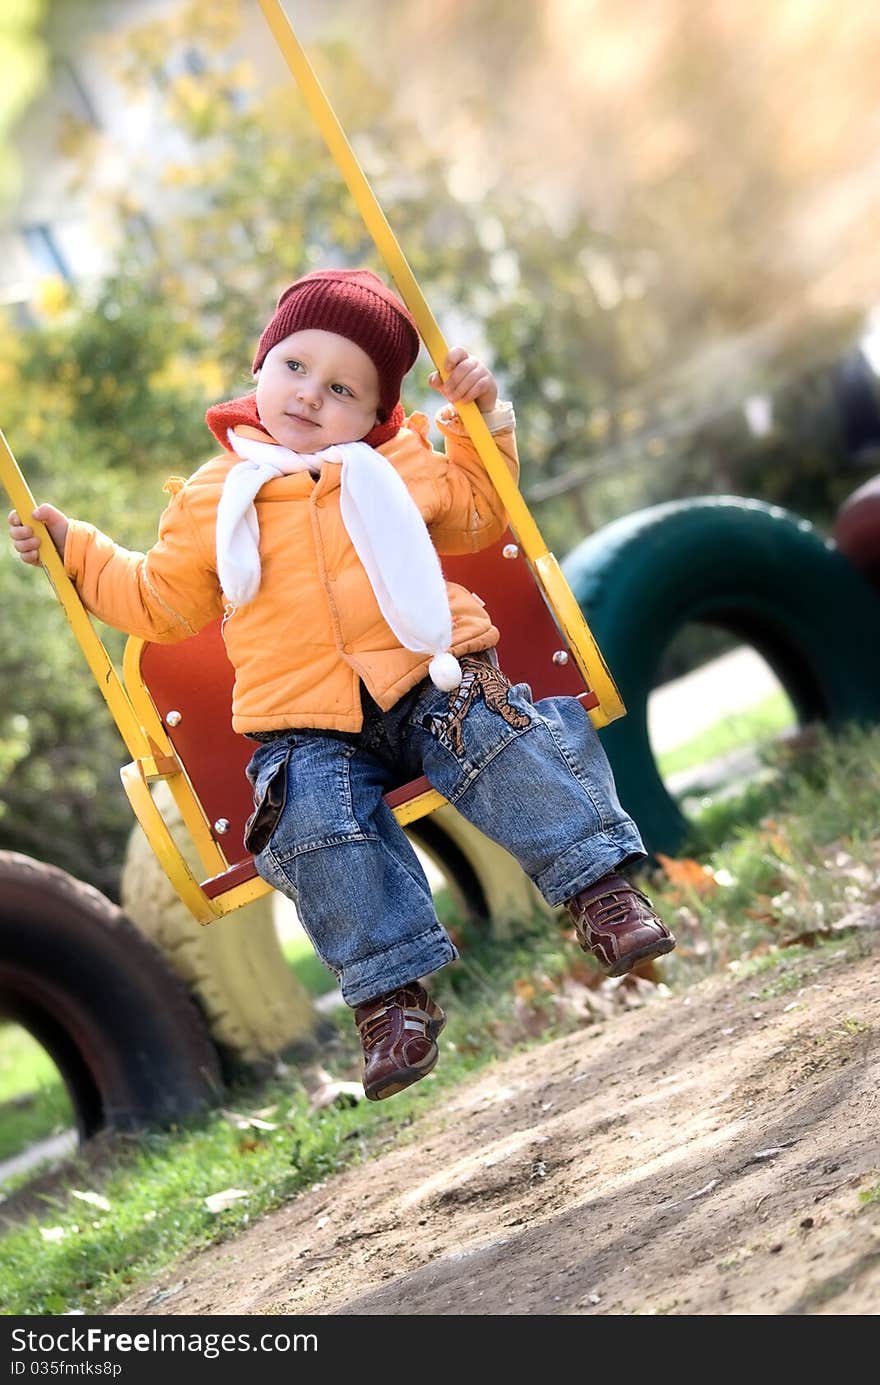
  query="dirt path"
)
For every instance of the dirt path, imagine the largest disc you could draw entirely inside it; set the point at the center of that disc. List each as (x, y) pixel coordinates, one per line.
(703, 1154)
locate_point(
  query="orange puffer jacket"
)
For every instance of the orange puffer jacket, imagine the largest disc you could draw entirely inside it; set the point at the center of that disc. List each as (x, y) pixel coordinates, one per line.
(314, 628)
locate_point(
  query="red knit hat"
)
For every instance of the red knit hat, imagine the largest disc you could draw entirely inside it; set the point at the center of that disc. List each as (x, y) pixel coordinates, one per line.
(353, 303)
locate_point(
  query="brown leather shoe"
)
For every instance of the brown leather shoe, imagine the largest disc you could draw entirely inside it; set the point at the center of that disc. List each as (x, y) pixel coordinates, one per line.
(618, 925)
(398, 1033)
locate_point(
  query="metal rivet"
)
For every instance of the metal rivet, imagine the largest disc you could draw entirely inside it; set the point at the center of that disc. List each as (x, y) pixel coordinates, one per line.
(173, 719)
(510, 550)
(560, 657)
(221, 825)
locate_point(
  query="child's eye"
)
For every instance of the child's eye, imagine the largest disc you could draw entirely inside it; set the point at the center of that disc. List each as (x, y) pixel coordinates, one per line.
(342, 389)
(294, 365)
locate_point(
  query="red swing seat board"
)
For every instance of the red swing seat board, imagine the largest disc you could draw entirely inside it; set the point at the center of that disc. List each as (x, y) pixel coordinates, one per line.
(203, 763)
(189, 687)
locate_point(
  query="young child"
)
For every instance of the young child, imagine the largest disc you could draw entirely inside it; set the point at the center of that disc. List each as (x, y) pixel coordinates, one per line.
(315, 535)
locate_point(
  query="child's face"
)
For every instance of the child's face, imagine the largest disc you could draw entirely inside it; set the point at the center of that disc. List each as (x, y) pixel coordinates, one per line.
(315, 389)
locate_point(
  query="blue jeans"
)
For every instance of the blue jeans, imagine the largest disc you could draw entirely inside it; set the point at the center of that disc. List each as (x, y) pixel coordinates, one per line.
(532, 776)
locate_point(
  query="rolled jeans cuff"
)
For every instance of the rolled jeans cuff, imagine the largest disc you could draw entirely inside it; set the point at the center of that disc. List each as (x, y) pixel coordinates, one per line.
(368, 977)
(589, 861)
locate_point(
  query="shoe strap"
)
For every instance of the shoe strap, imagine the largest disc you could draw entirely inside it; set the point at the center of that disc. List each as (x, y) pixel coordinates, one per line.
(612, 907)
(416, 1019)
(376, 1026)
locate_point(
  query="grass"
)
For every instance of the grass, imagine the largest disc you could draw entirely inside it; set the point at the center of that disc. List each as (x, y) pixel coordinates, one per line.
(307, 966)
(73, 1254)
(753, 727)
(33, 1099)
(786, 860)
(763, 899)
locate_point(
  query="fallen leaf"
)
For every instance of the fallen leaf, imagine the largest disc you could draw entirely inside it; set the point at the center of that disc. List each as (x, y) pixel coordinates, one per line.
(532, 1019)
(523, 989)
(762, 909)
(724, 877)
(643, 971)
(94, 1198)
(706, 1188)
(808, 938)
(338, 1094)
(585, 972)
(780, 845)
(314, 1077)
(867, 916)
(687, 873)
(218, 1202)
(770, 1153)
(161, 1294)
(242, 1122)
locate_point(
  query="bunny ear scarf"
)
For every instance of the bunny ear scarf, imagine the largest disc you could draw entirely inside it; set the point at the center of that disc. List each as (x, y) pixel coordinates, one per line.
(383, 523)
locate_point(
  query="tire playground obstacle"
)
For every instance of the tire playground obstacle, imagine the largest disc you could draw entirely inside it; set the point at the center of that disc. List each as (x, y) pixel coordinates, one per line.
(759, 572)
(102, 1000)
(856, 529)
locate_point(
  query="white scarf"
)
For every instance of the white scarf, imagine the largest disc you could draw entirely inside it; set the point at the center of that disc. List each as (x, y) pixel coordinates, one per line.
(384, 524)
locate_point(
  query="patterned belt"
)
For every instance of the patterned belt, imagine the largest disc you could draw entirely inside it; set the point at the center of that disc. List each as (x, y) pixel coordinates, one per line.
(487, 656)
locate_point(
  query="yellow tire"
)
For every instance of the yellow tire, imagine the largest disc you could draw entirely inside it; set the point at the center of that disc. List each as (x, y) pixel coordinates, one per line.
(253, 1004)
(485, 881)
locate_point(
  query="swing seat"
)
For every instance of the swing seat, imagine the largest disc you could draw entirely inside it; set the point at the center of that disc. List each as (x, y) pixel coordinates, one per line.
(182, 695)
(172, 705)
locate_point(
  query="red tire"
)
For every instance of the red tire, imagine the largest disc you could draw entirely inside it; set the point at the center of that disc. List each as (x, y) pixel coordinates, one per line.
(857, 529)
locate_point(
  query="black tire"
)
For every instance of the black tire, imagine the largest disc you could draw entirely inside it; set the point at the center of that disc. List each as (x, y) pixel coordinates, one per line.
(101, 999)
(462, 880)
(757, 571)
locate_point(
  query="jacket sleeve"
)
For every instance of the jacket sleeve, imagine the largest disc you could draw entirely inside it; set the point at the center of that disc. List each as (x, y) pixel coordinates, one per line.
(164, 595)
(469, 514)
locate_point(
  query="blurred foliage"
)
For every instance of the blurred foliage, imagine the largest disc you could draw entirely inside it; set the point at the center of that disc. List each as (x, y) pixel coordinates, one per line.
(594, 324)
(89, 439)
(700, 181)
(24, 65)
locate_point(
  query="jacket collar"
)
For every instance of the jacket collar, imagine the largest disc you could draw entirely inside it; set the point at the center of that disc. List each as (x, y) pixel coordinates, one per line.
(238, 413)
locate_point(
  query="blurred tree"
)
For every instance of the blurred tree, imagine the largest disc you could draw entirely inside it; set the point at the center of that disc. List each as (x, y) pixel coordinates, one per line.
(631, 305)
(707, 174)
(92, 420)
(24, 65)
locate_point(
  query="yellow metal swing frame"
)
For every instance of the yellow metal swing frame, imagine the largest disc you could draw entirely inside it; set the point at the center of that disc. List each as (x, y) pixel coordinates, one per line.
(128, 698)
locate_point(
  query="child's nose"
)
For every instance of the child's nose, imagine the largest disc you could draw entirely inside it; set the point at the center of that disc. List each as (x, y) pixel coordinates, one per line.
(309, 394)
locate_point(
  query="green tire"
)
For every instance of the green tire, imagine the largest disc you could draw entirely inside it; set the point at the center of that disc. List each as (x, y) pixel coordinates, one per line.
(763, 574)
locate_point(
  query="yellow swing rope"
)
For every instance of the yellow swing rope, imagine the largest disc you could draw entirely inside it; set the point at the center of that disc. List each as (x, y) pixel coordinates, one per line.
(96, 655)
(545, 568)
